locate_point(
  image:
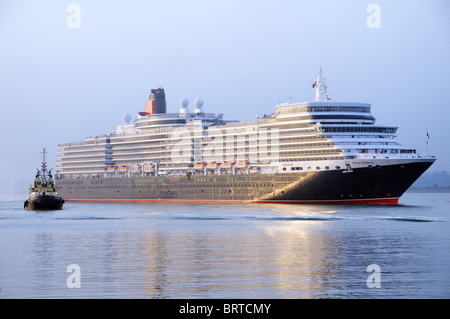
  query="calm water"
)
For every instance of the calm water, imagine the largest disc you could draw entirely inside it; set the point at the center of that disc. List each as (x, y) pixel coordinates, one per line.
(227, 251)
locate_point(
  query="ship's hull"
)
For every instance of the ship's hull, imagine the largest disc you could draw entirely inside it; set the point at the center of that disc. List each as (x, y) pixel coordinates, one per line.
(364, 185)
(44, 203)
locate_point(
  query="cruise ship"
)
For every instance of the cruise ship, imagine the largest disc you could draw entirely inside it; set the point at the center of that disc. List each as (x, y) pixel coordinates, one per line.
(314, 152)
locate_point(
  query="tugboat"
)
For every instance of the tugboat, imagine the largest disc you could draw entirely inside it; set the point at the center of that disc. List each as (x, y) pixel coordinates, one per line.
(43, 194)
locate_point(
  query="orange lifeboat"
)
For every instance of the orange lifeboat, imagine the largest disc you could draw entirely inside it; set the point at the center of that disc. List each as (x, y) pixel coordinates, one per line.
(227, 164)
(199, 165)
(149, 168)
(213, 165)
(242, 164)
(112, 169)
(135, 168)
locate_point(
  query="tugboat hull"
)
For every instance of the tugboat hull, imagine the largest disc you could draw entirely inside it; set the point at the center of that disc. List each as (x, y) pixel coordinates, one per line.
(43, 194)
(44, 203)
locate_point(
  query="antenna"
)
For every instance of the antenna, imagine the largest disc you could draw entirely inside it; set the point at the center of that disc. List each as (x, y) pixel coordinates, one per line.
(44, 163)
(321, 87)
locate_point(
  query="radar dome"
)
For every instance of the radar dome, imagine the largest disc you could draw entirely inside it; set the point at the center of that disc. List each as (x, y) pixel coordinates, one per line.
(127, 117)
(199, 102)
(184, 102)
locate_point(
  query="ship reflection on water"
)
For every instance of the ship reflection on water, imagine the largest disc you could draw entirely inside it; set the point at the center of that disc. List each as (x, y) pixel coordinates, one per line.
(226, 251)
(283, 256)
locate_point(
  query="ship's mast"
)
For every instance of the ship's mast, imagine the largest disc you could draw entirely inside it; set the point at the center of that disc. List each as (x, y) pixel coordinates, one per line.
(321, 87)
(44, 164)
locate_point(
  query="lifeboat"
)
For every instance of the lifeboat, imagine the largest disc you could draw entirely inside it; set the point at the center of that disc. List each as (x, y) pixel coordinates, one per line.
(227, 165)
(242, 164)
(199, 165)
(124, 168)
(135, 168)
(213, 165)
(149, 168)
(112, 169)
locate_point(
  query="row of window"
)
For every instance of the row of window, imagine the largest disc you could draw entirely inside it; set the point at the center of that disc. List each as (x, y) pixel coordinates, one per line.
(300, 132)
(305, 145)
(311, 152)
(174, 186)
(310, 118)
(302, 109)
(302, 138)
(308, 168)
(362, 129)
(140, 146)
(293, 159)
(212, 185)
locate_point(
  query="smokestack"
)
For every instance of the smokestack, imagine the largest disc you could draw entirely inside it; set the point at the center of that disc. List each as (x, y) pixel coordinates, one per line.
(157, 102)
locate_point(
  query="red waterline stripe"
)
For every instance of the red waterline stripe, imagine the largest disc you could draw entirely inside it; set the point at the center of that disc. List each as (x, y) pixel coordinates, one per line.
(389, 201)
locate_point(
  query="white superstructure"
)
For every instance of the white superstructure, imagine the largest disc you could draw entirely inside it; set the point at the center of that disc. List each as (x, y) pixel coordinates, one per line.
(316, 135)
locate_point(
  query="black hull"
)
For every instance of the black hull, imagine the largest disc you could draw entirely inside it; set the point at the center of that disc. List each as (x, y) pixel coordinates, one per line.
(44, 203)
(377, 184)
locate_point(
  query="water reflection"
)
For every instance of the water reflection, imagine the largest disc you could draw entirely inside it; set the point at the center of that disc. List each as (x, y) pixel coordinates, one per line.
(298, 256)
(43, 263)
(222, 258)
(157, 264)
(239, 251)
(227, 261)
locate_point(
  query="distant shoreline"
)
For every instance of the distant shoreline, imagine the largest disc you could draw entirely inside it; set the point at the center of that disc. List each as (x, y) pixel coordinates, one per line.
(429, 189)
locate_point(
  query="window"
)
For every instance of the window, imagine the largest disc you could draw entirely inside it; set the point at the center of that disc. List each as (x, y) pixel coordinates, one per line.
(367, 129)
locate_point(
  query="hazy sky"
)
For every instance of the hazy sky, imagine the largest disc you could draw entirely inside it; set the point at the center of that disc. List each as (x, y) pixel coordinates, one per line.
(60, 84)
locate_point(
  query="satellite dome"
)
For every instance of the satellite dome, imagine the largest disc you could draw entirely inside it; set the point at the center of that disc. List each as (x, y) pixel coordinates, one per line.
(127, 117)
(199, 102)
(184, 102)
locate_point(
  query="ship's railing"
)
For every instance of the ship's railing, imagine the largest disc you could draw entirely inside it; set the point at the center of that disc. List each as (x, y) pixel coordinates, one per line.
(166, 171)
(251, 123)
